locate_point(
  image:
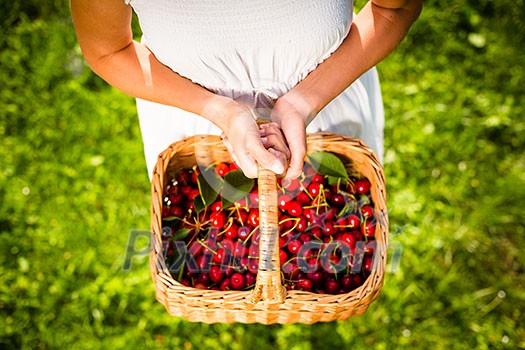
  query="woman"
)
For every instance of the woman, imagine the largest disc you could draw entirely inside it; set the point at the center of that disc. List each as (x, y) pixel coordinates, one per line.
(211, 66)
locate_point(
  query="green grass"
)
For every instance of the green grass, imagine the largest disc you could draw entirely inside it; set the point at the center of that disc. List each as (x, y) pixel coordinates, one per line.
(73, 183)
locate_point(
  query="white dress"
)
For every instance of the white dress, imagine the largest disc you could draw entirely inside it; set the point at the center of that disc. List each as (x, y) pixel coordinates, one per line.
(253, 51)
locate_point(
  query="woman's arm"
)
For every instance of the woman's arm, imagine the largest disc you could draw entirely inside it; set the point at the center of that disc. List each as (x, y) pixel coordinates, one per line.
(104, 33)
(376, 31)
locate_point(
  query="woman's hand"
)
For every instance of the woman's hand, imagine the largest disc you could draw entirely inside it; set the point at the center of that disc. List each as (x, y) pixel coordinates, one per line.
(248, 144)
(292, 114)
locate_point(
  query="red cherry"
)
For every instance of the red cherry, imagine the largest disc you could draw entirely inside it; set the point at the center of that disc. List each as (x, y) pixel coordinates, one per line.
(217, 206)
(239, 250)
(368, 228)
(290, 270)
(283, 257)
(302, 224)
(218, 219)
(234, 166)
(176, 211)
(315, 188)
(331, 285)
(253, 265)
(294, 185)
(316, 278)
(329, 228)
(294, 246)
(349, 239)
(353, 221)
(294, 208)
(304, 284)
(200, 286)
(367, 211)
(303, 199)
(222, 169)
(253, 251)
(231, 232)
(250, 279)
(253, 217)
(225, 284)
(338, 200)
(194, 193)
(362, 186)
(253, 199)
(241, 216)
(227, 244)
(283, 201)
(244, 232)
(346, 283)
(341, 223)
(318, 178)
(367, 263)
(195, 248)
(237, 281)
(216, 274)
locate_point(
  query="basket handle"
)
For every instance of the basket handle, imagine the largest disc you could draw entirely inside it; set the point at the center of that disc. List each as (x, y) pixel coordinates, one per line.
(268, 285)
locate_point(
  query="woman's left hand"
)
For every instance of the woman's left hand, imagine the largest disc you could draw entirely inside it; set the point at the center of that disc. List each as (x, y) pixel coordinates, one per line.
(292, 113)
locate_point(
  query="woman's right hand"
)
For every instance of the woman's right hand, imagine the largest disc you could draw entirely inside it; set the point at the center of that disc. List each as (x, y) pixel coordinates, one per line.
(248, 144)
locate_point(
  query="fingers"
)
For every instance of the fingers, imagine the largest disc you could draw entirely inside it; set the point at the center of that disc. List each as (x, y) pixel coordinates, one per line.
(295, 133)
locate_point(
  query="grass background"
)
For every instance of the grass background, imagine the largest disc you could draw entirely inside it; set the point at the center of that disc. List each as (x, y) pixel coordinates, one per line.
(73, 183)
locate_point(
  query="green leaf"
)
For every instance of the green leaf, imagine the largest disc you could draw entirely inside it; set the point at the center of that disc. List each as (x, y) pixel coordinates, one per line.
(236, 186)
(210, 185)
(328, 164)
(333, 180)
(198, 203)
(180, 234)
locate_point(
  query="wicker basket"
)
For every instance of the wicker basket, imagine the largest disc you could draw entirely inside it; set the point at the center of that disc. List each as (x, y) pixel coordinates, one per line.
(267, 303)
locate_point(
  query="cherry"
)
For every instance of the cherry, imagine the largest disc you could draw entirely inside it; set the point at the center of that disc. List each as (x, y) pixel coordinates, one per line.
(367, 263)
(200, 286)
(283, 201)
(302, 224)
(331, 285)
(368, 228)
(329, 228)
(253, 199)
(239, 250)
(253, 265)
(253, 217)
(304, 284)
(176, 211)
(222, 169)
(303, 199)
(283, 257)
(225, 284)
(294, 208)
(294, 246)
(237, 281)
(315, 188)
(215, 274)
(353, 221)
(194, 193)
(346, 283)
(338, 200)
(250, 279)
(294, 185)
(217, 206)
(231, 232)
(362, 186)
(219, 256)
(218, 219)
(234, 166)
(317, 278)
(349, 239)
(367, 211)
(241, 216)
(318, 178)
(244, 232)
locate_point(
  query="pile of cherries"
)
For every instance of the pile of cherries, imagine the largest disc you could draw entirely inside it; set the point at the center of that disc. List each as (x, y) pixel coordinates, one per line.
(326, 232)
